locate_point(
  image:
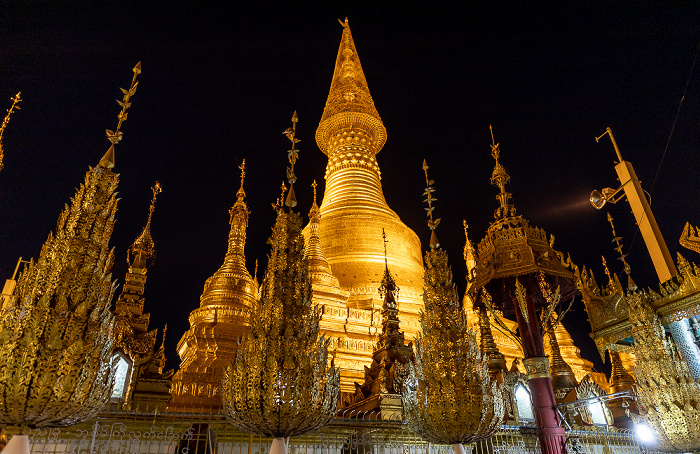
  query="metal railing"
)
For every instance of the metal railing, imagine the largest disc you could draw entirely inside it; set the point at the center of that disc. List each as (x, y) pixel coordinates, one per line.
(361, 433)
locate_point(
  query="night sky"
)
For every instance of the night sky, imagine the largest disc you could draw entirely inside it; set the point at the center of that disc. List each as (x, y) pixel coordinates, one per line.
(220, 84)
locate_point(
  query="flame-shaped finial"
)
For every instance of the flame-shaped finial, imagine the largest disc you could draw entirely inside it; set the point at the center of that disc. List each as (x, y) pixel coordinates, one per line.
(500, 178)
(115, 136)
(429, 199)
(6, 120)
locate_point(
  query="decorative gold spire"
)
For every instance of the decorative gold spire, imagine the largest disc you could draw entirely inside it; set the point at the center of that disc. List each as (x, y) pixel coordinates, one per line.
(448, 396)
(469, 255)
(280, 384)
(429, 199)
(115, 136)
(143, 248)
(292, 156)
(5, 121)
(319, 269)
(349, 102)
(563, 378)
(620, 379)
(232, 284)
(631, 286)
(500, 178)
(56, 331)
(496, 360)
(219, 321)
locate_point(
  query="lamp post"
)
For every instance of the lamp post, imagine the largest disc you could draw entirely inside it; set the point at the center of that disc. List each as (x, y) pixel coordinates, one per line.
(654, 241)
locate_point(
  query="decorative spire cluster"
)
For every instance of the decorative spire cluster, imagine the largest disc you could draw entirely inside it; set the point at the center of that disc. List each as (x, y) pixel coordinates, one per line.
(5, 121)
(56, 332)
(280, 384)
(449, 396)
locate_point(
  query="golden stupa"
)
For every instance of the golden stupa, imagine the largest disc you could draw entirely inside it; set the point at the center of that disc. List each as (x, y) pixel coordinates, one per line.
(350, 222)
(215, 326)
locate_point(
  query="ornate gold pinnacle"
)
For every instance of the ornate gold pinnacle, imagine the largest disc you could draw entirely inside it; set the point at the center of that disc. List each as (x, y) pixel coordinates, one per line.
(349, 102)
(292, 156)
(115, 136)
(690, 238)
(500, 178)
(143, 249)
(5, 121)
(449, 396)
(429, 199)
(281, 384)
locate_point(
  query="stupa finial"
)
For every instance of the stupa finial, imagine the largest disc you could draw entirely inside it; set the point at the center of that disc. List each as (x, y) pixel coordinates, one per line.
(349, 101)
(429, 199)
(115, 136)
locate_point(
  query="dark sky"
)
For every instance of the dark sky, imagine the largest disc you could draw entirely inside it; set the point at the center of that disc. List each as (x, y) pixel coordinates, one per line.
(220, 83)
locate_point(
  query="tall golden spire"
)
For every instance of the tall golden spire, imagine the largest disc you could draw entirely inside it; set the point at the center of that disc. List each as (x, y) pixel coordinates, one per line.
(143, 248)
(319, 269)
(5, 121)
(354, 211)
(232, 283)
(349, 102)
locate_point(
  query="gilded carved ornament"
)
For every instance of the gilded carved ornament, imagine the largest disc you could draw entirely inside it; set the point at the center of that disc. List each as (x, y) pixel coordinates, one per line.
(449, 396)
(56, 332)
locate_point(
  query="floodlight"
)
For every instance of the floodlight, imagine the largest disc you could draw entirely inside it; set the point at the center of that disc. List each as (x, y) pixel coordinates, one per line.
(600, 198)
(644, 434)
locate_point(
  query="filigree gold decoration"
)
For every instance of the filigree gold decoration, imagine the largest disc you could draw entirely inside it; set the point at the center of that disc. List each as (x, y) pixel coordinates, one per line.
(449, 396)
(281, 384)
(667, 393)
(5, 121)
(690, 238)
(56, 333)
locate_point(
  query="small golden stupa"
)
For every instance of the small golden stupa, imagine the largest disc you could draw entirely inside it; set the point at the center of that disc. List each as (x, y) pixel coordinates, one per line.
(215, 326)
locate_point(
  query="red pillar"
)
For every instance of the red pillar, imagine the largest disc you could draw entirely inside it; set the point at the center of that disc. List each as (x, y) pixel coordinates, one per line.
(552, 436)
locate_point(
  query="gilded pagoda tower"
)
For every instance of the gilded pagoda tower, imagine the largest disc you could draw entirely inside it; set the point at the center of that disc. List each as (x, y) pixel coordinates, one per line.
(215, 326)
(354, 212)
